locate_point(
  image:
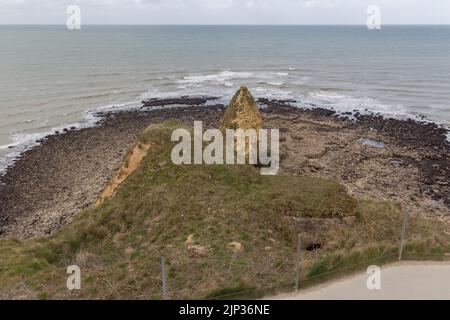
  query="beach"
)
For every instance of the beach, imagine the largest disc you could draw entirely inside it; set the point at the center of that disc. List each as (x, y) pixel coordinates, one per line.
(374, 157)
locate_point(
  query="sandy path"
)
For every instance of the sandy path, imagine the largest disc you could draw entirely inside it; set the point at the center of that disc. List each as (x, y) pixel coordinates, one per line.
(405, 280)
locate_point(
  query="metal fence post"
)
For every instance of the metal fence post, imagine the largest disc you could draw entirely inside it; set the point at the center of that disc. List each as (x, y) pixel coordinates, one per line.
(297, 263)
(164, 280)
(402, 238)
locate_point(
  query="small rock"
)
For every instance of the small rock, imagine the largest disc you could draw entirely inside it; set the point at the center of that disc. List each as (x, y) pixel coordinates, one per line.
(315, 165)
(199, 250)
(236, 246)
(190, 239)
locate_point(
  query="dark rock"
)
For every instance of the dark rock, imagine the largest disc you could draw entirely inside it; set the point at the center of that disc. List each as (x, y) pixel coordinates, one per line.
(191, 101)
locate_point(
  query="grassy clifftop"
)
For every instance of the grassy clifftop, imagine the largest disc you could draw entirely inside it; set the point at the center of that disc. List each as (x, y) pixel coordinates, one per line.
(221, 229)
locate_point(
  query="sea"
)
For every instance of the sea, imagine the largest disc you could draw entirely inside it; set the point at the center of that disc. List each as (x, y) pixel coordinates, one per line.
(52, 77)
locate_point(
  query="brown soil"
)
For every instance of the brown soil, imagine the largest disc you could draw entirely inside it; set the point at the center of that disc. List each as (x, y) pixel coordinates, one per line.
(134, 158)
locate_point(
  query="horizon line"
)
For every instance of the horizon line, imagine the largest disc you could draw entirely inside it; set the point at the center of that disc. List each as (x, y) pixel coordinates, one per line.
(256, 25)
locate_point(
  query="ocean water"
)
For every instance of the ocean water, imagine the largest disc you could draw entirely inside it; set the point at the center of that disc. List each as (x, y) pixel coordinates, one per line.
(51, 77)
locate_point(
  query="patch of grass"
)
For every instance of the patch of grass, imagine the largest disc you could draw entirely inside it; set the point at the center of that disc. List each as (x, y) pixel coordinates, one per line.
(320, 267)
(233, 290)
(161, 205)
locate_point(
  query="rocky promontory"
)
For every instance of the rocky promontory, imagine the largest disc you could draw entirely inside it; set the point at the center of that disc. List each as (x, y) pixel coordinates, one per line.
(66, 172)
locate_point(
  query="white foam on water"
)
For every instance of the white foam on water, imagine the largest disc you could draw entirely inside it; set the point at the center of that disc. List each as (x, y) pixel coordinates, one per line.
(24, 141)
(228, 76)
(218, 77)
(9, 145)
(7, 160)
(222, 85)
(90, 114)
(258, 89)
(345, 103)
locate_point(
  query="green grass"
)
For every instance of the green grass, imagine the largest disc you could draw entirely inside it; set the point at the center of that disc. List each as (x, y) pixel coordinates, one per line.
(119, 244)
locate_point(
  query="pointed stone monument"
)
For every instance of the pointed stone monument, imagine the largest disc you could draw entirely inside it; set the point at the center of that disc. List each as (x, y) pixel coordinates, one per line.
(242, 112)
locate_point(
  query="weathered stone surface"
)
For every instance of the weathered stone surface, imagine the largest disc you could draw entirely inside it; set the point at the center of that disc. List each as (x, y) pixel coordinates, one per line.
(242, 112)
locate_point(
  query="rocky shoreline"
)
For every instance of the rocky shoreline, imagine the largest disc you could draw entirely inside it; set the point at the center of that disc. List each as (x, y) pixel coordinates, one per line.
(66, 172)
(422, 145)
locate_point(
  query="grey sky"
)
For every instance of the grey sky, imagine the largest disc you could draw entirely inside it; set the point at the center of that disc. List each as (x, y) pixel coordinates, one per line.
(225, 11)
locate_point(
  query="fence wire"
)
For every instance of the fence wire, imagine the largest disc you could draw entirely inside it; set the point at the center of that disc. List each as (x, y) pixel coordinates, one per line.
(287, 268)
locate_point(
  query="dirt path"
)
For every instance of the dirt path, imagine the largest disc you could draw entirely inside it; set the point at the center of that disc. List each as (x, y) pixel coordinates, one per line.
(405, 280)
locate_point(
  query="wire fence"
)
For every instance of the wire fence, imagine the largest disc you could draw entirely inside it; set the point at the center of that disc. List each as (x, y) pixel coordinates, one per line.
(298, 270)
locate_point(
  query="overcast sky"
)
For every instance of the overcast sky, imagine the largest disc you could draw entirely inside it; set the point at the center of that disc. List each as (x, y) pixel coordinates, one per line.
(225, 11)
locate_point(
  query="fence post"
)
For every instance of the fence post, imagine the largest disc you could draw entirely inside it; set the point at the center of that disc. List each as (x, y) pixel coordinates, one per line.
(164, 280)
(402, 238)
(297, 263)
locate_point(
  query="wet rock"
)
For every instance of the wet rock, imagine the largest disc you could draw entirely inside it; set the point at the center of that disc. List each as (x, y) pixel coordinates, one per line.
(177, 101)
